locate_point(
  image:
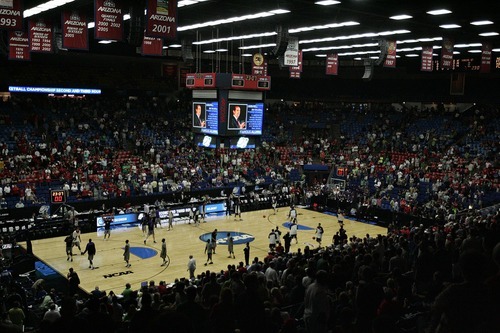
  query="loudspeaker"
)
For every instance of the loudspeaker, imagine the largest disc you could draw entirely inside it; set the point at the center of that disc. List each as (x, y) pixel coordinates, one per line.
(137, 23)
(369, 68)
(187, 51)
(281, 42)
(384, 46)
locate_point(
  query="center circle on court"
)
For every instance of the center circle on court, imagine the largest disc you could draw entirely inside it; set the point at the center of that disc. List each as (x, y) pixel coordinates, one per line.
(222, 237)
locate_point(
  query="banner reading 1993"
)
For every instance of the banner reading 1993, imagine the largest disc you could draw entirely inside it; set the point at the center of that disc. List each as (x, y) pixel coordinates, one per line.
(162, 19)
(108, 19)
(11, 15)
(75, 31)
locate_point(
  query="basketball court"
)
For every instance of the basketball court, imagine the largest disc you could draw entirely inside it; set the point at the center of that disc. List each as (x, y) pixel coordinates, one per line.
(185, 239)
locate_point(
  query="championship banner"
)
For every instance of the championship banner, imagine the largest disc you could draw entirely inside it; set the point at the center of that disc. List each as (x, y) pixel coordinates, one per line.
(485, 58)
(291, 56)
(41, 36)
(294, 75)
(297, 68)
(447, 54)
(259, 65)
(108, 19)
(332, 64)
(162, 19)
(11, 15)
(19, 46)
(390, 59)
(426, 65)
(75, 31)
(152, 46)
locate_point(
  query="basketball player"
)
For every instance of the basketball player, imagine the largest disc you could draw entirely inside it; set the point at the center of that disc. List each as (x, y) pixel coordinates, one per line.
(126, 253)
(292, 214)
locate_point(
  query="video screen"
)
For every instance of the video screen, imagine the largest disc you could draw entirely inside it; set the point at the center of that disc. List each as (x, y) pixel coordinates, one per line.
(206, 141)
(242, 142)
(245, 118)
(206, 117)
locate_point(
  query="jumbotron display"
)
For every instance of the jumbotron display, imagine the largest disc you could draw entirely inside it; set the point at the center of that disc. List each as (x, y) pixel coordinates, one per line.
(245, 118)
(206, 117)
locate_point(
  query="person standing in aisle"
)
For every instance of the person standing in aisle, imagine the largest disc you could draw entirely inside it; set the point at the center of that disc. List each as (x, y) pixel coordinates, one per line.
(163, 253)
(91, 250)
(126, 253)
(191, 267)
(73, 282)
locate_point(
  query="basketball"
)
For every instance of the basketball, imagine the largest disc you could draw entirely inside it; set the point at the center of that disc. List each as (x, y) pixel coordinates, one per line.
(264, 216)
(314, 238)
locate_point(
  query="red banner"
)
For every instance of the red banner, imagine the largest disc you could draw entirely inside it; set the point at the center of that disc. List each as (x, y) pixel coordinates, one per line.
(299, 67)
(75, 31)
(152, 46)
(162, 19)
(332, 64)
(485, 58)
(108, 19)
(11, 15)
(426, 65)
(447, 54)
(41, 36)
(390, 59)
(19, 46)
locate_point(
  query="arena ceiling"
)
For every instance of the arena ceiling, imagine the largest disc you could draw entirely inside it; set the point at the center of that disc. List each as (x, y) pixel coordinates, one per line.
(351, 28)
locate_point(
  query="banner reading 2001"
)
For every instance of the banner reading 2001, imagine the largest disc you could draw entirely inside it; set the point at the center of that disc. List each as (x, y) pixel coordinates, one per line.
(108, 19)
(162, 19)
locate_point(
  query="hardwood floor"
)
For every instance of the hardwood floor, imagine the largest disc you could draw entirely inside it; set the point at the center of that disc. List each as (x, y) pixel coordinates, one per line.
(183, 240)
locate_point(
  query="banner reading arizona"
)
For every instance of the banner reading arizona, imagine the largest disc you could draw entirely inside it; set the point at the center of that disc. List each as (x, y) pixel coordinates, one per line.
(108, 19)
(162, 19)
(75, 31)
(41, 36)
(11, 15)
(19, 46)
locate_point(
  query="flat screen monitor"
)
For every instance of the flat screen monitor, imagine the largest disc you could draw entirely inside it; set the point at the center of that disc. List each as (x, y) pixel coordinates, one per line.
(245, 118)
(205, 117)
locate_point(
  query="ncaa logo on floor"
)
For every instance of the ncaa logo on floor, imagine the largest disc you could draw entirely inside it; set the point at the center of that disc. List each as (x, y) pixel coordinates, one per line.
(238, 237)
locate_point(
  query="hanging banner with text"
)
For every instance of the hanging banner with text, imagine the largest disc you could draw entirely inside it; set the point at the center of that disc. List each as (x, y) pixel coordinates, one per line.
(162, 19)
(19, 46)
(426, 65)
(75, 31)
(108, 16)
(447, 54)
(291, 57)
(485, 58)
(11, 15)
(332, 64)
(390, 59)
(297, 68)
(41, 37)
(152, 46)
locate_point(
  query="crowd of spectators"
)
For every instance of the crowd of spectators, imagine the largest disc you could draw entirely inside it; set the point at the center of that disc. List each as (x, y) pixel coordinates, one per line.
(429, 162)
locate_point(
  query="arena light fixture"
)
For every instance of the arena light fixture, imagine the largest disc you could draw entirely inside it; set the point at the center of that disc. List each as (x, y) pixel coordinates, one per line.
(327, 2)
(439, 12)
(488, 34)
(450, 26)
(401, 17)
(482, 22)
